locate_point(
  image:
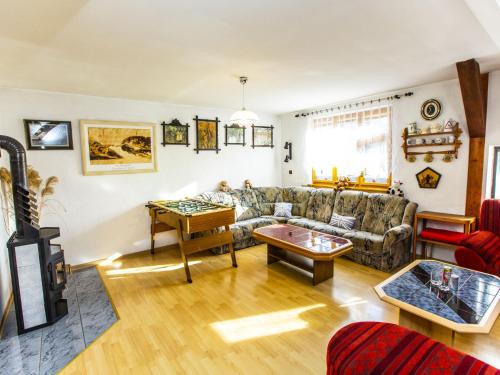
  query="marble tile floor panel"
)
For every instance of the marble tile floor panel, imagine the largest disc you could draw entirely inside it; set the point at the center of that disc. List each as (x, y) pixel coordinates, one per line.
(47, 350)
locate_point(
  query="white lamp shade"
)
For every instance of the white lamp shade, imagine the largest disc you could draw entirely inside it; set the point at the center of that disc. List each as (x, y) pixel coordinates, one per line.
(244, 117)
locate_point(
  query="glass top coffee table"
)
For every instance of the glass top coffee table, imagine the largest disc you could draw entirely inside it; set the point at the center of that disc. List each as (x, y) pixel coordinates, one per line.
(304, 248)
(473, 308)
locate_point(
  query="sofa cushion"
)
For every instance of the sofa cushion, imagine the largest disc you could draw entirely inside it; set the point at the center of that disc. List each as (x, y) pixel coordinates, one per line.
(305, 222)
(365, 241)
(299, 196)
(245, 204)
(383, 212)
(351, 203)
(330, 229)
(266, 197)
(283, 209)
(243, 229)
(320, 205)
(345, 222)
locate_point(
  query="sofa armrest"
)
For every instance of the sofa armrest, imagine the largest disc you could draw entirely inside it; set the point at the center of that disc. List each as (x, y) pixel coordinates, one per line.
(395, 235)
(468, 258)
(409, 213)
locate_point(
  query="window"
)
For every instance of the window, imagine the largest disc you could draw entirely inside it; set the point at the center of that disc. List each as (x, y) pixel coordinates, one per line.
(353, 142)
(495, 181)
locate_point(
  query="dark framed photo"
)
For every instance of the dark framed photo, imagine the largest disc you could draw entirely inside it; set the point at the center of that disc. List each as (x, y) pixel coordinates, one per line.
(175, 133)
(48, 135)
(235, 135)
(262, 136)
(428, 178)
(207, 135)
(431, 109)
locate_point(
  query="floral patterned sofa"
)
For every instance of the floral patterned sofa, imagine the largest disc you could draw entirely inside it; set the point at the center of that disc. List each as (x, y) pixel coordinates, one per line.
(381, 235)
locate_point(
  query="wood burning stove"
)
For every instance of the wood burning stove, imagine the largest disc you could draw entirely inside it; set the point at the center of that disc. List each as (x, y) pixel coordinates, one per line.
(37, 266)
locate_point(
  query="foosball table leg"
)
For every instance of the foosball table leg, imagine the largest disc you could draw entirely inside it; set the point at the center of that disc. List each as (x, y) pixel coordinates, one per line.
(231, 249)
(180, 238)
(153, 229)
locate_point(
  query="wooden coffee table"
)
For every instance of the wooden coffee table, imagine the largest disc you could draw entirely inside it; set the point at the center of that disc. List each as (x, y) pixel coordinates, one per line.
(304, 248)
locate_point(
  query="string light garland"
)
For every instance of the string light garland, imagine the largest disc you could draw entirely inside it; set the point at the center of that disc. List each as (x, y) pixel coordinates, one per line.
(354, 105)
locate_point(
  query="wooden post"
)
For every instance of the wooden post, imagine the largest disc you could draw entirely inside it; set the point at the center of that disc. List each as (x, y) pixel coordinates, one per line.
(474, 88)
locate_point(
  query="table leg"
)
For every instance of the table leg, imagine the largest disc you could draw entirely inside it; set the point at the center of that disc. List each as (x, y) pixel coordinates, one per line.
(322, 270)
(153, 230)
(231, 249)
(273, 250)
(180, 238)
(426, 327)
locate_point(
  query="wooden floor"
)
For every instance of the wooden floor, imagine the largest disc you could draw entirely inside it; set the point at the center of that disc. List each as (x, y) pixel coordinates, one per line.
(255, 319)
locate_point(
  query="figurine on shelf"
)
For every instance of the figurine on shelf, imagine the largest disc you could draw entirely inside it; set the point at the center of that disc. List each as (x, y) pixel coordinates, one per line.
(248, 184)
(412, 128)
(396, 189)
(224, 186)
(342, 184)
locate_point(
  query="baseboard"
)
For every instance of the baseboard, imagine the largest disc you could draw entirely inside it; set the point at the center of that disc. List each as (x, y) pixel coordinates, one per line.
(5, 313)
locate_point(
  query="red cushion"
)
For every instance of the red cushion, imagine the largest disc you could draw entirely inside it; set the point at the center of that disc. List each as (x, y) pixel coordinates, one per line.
(443, 235)
(384, 348)
(486, 244)
(468, 258)
(490, 216)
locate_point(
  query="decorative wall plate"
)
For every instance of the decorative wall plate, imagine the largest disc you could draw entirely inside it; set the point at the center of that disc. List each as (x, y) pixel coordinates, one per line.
(428, 178)
(431, 109)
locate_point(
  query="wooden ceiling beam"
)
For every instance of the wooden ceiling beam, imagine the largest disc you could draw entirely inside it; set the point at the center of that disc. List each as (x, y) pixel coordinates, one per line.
(474, 87)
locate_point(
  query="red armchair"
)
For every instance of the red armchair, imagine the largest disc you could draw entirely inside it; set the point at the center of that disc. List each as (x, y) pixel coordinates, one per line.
(481, 250)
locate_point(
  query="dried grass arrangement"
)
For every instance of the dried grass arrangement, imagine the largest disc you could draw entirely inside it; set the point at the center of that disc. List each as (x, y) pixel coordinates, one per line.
(44, 190)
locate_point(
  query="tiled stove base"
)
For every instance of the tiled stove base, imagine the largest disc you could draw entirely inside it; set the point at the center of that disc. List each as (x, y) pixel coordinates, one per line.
(49, 349)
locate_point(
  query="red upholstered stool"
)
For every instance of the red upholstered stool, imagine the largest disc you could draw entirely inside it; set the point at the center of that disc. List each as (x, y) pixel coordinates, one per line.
(443, 235)
(383, 348)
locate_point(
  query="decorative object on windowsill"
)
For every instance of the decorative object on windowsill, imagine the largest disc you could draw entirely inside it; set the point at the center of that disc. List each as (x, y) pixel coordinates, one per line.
(207, 135)
(435, 140)
(359, 184)
(396, 189)
(111, 147)
(234, 135)
(342, 184)
(346, 107)
(248, 184)
(431, 109)
(174, 133)
(428, 158)
(262, 136)
(224, 186)
(48, 135)
(288, 146)
(244, 116)
(428, 178)
(42, 190)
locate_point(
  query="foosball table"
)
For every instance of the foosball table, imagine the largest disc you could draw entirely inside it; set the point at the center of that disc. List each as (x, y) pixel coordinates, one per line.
(190, 216)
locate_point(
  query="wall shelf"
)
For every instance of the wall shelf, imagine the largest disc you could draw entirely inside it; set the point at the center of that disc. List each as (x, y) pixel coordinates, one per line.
(431, 150)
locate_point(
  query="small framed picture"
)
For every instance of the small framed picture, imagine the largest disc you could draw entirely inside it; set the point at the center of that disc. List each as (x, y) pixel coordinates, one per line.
(235, 135)
(428, 178)
(175, 133)
(207, 135)
(48, 135)
(262, 136)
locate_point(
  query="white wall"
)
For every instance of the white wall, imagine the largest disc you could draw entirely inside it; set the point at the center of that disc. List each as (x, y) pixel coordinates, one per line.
(106, 214)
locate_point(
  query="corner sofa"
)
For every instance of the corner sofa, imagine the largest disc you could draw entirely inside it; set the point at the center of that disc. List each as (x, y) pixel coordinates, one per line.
(381, 235)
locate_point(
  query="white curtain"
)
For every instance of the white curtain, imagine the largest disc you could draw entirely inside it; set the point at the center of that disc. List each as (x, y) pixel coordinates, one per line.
(354, 142)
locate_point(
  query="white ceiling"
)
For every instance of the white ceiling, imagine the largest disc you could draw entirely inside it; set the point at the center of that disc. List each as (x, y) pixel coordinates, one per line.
(297, 53)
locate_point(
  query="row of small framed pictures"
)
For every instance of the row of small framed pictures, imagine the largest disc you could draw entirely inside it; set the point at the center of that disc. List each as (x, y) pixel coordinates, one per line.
(207, 134)
(57, 135)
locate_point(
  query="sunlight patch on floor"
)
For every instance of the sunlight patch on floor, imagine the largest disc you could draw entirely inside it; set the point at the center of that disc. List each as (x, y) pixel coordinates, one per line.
(146, 269)
(354, 301)
(263, 324)
(109, 260)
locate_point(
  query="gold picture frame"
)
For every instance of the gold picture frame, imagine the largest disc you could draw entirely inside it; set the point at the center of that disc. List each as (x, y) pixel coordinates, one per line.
(118, 147)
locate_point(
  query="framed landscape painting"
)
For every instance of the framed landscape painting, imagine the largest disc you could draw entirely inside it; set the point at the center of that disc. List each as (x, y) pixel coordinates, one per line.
(48, 135)
(262, 136)
(175, 133)
(207, 135)
(110, 147)
(235, 135)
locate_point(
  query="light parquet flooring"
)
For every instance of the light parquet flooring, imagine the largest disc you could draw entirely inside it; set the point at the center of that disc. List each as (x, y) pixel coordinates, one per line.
(255, 319)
